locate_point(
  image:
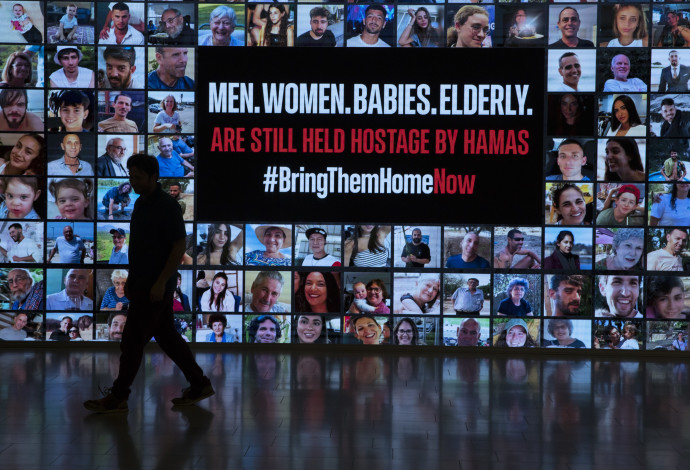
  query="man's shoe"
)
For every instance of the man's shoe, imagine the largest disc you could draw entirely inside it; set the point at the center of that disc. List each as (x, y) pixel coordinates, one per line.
(108, 404)
(191, 395)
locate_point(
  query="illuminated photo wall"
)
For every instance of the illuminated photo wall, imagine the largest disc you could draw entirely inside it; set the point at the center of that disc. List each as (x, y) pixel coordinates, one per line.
(529, 190)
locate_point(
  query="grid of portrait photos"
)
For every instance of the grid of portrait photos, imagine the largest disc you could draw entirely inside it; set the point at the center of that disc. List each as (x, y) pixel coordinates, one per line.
(85, 85)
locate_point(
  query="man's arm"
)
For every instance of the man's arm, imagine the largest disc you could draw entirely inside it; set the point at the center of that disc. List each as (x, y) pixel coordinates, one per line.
(23, 259)
(662, 82)
(171, 265)
(83, 253)
(52, 252)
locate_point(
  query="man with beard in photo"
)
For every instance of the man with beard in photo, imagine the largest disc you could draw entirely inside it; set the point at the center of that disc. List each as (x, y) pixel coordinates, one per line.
(14, 115)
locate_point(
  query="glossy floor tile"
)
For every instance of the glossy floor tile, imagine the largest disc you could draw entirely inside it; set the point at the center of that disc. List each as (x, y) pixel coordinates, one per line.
(334, 410)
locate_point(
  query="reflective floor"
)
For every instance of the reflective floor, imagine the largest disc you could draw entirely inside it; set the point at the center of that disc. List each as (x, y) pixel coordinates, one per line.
(348, 411)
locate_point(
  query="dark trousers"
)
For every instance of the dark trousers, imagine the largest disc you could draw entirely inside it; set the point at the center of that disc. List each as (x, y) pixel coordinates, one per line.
(146, 320)
(33, 35)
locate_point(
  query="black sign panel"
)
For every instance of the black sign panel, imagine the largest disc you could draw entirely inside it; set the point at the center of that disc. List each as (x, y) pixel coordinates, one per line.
(392, 136)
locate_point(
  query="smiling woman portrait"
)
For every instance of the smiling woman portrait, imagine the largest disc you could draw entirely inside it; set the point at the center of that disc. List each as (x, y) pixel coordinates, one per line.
(274, 238)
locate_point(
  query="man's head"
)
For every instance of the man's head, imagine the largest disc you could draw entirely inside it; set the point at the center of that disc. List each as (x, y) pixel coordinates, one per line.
(620, 292)
(16, 232)
(143, 172)
(569, 23)
(115, 149)
(668, 109)
(68, 233)
(264, 329)
(319, 21)
(571, 159)
(13, 104)
(472, 26)
(76, 282)
(675, 240)
(174, 190)
(119, 66)
(472, 284)
(19, 281)
(20, 321)
(416, 236)
(172, 61)
(165, 146)
(515, 240)
(119, 238)
(68, 57)
(470, 246)
(173, 22)
(469, 332)
(565, 292)
(673, 58)
(266, 290)
(316, 237)
(71, 145)
(121, 16)
(374, 19)
(620, 66)
(116, 325)
(73, 109)
(569, 69)
(122, 105)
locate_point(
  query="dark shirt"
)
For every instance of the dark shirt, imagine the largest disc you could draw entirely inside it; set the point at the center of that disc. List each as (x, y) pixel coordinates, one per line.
(580, 44)
(421, 251)
(156, 225)
(305, 40)
(679, 127)
(182, 83)
(507, 307)
(456, 262)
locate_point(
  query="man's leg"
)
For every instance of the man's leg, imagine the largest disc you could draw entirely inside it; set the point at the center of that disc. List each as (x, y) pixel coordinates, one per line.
(137, 333)
(171, 342)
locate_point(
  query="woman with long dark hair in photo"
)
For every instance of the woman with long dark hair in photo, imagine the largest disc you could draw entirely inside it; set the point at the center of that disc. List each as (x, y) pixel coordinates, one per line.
(419, 32)
(274, 28)
(625, 121)
(367, 247)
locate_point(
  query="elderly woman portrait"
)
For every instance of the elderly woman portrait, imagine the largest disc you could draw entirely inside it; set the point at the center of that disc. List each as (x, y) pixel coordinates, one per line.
(626, 251)
(515, 305)
(18, 71)
(115, 298)
(424, 298)
(562, 330)
(274, 238)
(515, 335)
(218, 323)
(318, 292)
(222, 22)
